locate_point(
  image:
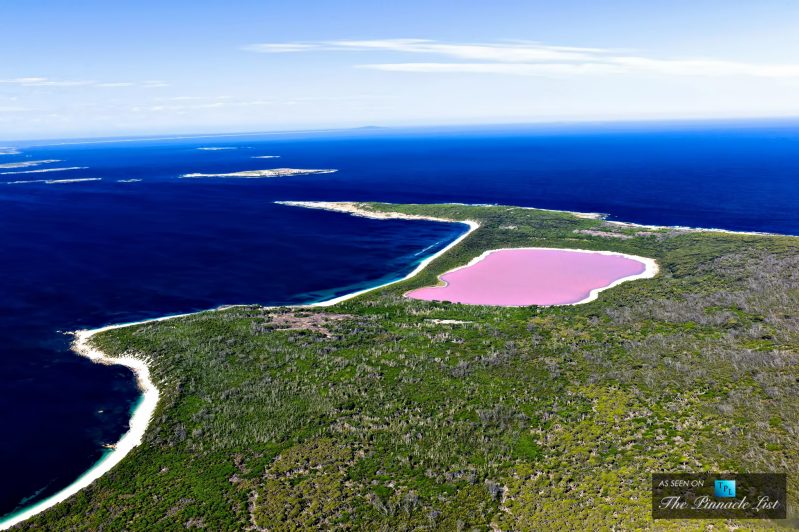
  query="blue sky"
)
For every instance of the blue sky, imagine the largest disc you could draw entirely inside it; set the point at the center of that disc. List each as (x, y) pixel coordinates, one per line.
(86, 68)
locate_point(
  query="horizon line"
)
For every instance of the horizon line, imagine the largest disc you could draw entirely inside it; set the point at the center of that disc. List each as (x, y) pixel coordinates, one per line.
(101, 139)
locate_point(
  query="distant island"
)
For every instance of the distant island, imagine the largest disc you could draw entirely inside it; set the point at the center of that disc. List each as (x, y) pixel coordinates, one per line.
(55, 181)
(379, 411)
(44, 170)
(27, 164)
(274, 172)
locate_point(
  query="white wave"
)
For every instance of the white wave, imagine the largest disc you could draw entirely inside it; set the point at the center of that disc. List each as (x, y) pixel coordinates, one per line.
(266, 156)
(218, 148)
(27, 164)
(43, 170)
(427, 248)
(128, 180)
(8, 150)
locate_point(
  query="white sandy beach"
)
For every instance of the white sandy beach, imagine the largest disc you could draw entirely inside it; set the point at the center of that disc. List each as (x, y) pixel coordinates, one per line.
(422, 265)
(133, 437)
(651, 269)
(150, 394)
(650, 265)
(355, 209)
(143, 413)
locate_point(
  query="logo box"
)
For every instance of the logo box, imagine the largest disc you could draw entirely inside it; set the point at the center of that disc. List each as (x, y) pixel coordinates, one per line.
(724, 488)
(719, 496)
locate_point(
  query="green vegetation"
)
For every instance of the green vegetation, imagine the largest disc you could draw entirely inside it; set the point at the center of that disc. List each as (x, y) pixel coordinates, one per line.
(373, 414)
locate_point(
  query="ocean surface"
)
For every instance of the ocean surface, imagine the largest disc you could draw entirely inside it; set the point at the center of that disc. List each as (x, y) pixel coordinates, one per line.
(81, 254)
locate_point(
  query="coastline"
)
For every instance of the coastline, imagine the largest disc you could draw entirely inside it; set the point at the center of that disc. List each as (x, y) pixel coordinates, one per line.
(689, 229)
(352, 207)
(651, 269)
(145, 408)
(139, 421)
(143, 411)
(421, 266)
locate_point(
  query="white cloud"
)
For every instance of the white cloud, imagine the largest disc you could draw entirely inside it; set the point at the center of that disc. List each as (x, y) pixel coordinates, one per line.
(34, 81)
(161, 108)
(531, 59)
(44, 82)
(277, 48)
(503, 52)
(707, 67)
(519, 69)
(154, 83)
(500, 52)
(194, 98)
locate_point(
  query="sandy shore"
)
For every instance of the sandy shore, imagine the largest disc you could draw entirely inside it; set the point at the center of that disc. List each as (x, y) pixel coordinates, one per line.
(139, 421)
(576, 214)
(144, 410)
(355, 209)
(689, 229)
(651, 269)
(150, 395)
(422, 265)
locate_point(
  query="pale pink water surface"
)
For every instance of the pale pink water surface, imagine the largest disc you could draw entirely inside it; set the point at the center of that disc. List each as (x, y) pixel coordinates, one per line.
(519, 277)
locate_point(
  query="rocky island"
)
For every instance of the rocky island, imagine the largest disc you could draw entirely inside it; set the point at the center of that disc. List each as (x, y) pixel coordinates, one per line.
(273, 172)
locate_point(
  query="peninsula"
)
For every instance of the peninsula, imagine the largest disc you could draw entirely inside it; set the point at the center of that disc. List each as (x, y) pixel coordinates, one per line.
(381, 411)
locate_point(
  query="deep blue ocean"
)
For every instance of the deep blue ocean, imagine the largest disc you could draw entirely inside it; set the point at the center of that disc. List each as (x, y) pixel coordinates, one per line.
(86, 254)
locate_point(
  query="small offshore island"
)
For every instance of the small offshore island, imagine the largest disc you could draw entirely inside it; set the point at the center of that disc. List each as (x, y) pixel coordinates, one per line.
(383, 412)
(273, 172)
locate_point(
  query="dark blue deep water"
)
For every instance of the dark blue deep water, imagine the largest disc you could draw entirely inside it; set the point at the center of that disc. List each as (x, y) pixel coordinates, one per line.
(91, 253)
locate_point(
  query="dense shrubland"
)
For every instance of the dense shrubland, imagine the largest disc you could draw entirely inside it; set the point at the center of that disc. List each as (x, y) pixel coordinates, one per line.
(386, 413)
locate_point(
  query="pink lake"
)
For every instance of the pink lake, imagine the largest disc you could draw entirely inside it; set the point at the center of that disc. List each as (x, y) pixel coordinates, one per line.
(535, 276)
